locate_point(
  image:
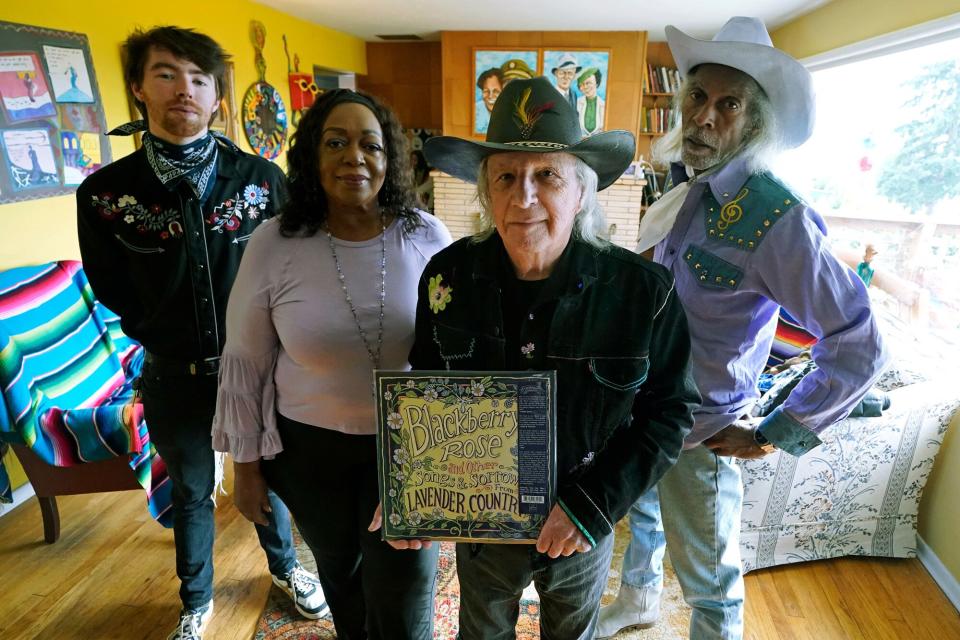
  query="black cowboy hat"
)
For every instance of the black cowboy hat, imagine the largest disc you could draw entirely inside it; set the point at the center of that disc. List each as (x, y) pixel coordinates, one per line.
(532, 116)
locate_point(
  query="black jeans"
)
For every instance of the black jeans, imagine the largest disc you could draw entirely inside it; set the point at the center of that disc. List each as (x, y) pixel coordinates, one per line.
(179, 414)
(328, 480)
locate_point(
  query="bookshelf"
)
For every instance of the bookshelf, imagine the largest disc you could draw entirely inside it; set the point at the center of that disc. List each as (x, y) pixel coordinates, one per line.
(656, 101)
(657, 96)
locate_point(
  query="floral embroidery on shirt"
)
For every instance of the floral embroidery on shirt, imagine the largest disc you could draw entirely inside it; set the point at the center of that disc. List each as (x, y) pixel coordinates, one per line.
(255, 196)
(144, 219)
(228, 215)
(440, 295)
(527, 350)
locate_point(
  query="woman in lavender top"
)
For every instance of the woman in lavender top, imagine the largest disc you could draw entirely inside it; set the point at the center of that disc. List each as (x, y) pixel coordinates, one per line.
(324, 295)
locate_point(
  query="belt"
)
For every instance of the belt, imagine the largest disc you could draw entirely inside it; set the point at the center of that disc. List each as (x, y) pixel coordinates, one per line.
(163, 365)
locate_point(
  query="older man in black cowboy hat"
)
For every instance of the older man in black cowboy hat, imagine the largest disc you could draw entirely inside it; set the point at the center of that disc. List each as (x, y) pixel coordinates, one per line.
(740, 245)
(541, 289)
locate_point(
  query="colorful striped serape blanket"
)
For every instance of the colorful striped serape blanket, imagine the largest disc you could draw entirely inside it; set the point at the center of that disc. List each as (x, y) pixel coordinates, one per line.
(66, 373)
(790, 340)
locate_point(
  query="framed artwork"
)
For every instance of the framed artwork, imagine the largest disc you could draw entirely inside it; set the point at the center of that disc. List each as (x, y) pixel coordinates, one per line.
(466, 455)
(68, 74)
(51, 116)
(422, 182)
(580, 75)
(30, 158)
(79, 117)
(492, 70)
(225, 119)
(23, 87)
(81, 155)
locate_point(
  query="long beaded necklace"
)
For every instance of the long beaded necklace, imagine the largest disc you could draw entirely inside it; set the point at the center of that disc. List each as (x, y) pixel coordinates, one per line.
(374, 355)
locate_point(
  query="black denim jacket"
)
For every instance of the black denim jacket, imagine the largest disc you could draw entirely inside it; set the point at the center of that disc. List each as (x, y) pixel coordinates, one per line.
(619, 343)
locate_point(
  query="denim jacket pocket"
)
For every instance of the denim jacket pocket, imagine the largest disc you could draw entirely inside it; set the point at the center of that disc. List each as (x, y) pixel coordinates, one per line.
(712, 271)
(620, 374)
(454, 346)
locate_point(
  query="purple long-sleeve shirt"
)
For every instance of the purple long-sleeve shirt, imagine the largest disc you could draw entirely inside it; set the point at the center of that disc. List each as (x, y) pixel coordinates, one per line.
(739, 251)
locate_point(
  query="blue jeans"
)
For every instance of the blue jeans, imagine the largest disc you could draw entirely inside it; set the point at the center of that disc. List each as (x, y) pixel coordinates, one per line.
(700, 499)
(493, 577)
(179, 414)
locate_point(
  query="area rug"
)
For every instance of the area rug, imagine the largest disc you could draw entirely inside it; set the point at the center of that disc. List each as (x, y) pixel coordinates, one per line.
(280, 621)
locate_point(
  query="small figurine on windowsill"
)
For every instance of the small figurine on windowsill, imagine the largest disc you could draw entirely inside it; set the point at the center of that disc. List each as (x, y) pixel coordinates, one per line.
(864, 270)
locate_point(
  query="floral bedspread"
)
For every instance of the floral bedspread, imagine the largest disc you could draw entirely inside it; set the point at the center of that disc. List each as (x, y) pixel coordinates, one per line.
(857, 494)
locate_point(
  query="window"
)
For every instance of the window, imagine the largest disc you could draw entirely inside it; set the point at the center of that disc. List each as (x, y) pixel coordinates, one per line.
(883, 168)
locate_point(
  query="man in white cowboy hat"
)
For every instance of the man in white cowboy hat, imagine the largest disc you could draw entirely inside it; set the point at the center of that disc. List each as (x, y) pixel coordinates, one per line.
(740, 245)
(541, 289)
(564, 74)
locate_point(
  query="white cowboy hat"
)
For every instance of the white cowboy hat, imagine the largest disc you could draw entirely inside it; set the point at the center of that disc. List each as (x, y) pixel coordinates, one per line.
(745, 45)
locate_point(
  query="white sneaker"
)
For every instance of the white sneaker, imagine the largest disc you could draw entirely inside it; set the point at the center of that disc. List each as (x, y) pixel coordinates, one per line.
(192, 623)
(633, 609)
(304, 589)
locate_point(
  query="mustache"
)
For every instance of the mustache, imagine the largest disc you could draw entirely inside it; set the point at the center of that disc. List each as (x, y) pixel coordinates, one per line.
(701, 136)
(189, 104)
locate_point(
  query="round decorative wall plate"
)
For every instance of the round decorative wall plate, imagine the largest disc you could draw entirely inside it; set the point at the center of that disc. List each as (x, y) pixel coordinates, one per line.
(264, 120)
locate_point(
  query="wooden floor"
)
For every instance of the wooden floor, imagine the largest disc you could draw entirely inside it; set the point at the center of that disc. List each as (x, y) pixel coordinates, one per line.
(111, 576)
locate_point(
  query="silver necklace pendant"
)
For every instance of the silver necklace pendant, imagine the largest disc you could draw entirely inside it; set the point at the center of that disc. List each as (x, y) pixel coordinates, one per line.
(374, 355)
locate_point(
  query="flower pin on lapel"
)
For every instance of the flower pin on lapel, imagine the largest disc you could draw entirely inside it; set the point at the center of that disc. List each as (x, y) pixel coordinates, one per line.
(439, 294)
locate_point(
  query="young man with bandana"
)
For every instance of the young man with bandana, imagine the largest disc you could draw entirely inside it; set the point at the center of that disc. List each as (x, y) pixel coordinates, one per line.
(161, 234)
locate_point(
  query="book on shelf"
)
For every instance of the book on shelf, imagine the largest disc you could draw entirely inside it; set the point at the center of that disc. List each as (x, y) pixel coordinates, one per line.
(657, 79)
(656, 120)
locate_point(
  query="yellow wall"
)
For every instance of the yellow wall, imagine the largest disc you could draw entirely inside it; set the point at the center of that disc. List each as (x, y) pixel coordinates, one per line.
(940, 509)
(844, 22)
(42, 230)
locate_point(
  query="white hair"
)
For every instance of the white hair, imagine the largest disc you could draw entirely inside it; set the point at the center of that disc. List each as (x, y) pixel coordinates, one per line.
(589, 225)
(761, 143)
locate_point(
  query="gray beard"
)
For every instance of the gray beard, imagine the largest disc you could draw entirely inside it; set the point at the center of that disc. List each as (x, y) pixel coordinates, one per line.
(715, 159)
(700, 163)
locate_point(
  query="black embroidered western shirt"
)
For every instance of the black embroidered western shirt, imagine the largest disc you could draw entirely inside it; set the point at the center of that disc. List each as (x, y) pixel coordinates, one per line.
(163, 261)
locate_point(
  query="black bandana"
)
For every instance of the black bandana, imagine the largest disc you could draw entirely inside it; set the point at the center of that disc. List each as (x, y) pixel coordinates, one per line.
(195, 162)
